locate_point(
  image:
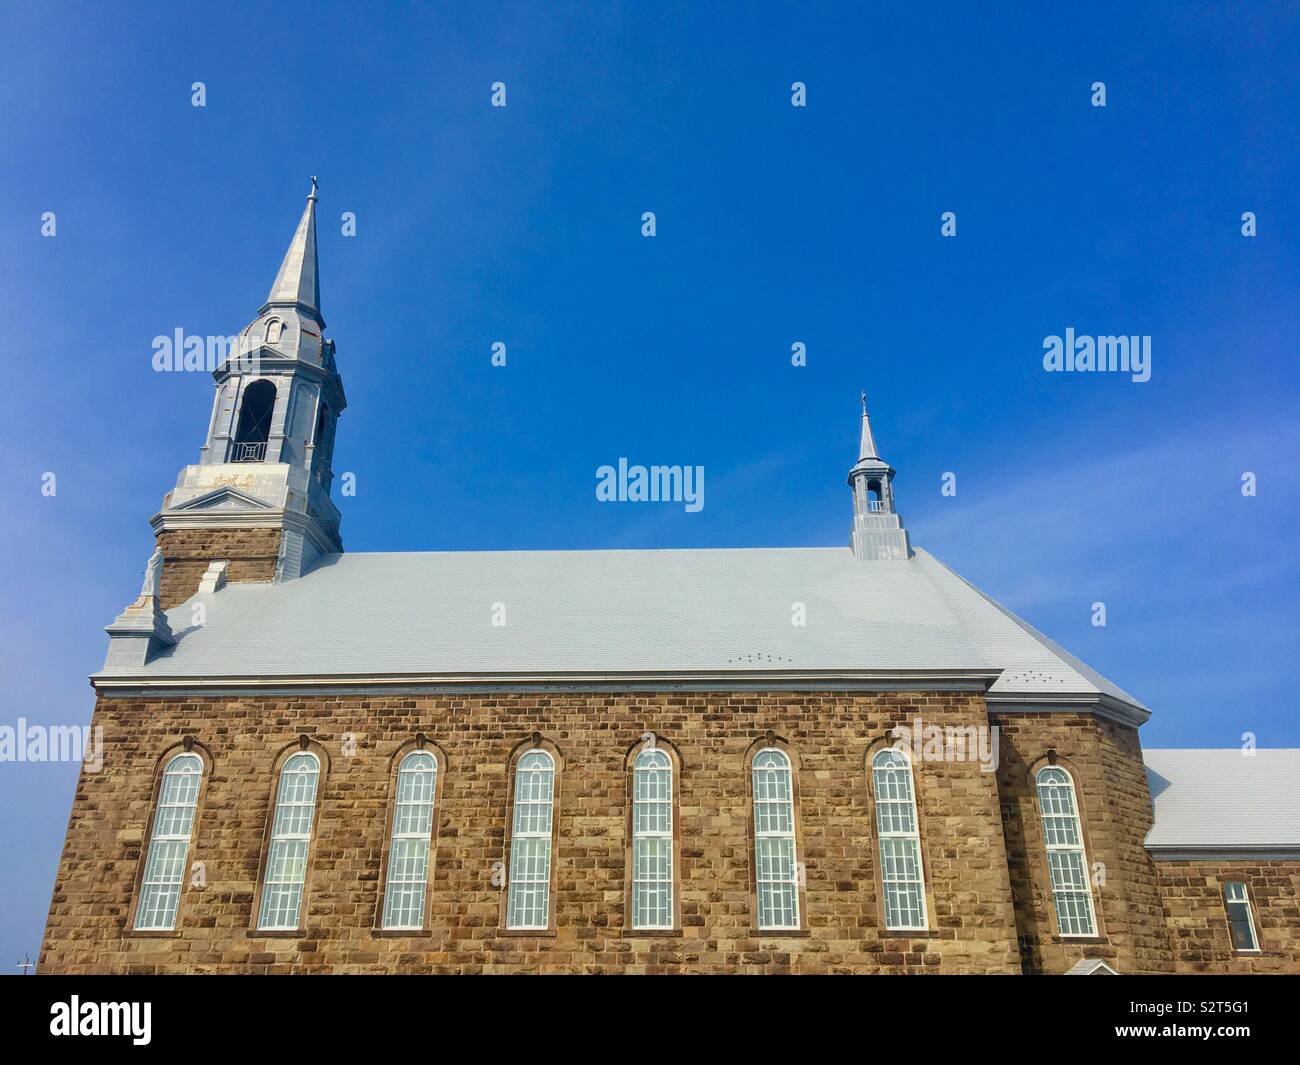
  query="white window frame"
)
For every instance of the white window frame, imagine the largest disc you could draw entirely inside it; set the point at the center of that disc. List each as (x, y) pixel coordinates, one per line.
(516, 898)
(765, 882)
(891, 838)
(642, 881)
(1069, 821)
(412, 888)
(282, 841)
(169, 844)
(1228, 902)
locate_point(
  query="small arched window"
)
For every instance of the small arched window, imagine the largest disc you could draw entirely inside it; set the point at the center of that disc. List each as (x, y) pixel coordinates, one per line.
(286, 858)
(1067, 863)
(408, 851)
(169, 844)
(652, 840)
(528, 904)
(274, 330)
(902, 873)
(775, 861)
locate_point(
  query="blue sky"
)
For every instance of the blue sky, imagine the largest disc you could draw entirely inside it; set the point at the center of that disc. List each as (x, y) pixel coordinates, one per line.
(775, 224)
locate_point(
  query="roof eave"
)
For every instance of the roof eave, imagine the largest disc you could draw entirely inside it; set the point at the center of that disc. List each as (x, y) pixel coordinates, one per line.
(1224, 852)
(1094, 702)
(977, 680)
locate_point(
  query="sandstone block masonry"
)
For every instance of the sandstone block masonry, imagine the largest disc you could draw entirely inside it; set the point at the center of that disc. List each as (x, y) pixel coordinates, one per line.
(973, 926)
(252, 554)
(1198, 929)
(989, 897)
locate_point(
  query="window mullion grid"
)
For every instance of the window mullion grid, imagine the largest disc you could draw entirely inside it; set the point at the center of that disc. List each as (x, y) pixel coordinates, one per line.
(652, 848)
(1067, 860)
(900, 845)
(776, 877)
(168, 847)
(408, 856)
(528, 901)
(286, 870)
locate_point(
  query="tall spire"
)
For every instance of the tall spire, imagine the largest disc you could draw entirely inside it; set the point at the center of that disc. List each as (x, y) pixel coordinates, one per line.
(867, 449)
(298, 281)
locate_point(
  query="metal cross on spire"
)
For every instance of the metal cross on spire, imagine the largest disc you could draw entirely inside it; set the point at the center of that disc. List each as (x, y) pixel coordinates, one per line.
(312, 195)
(864, 403)
(26, 964)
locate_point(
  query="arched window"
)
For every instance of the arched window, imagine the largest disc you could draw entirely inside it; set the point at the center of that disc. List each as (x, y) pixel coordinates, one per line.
(254, 429)
(408, 851)
(529, 902)
(902, 872)
(286, 858)
(775, 862)
(652, 840)
(169, 844)
(274, 330)
(1067, 864)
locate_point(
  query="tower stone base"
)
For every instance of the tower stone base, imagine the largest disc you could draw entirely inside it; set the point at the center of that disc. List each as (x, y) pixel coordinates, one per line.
(252, 554)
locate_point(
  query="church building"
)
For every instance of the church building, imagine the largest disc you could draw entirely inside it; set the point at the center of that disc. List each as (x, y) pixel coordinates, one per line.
(808, 760)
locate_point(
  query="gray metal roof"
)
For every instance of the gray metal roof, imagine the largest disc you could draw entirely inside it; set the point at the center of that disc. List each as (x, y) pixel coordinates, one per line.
(619, 614)
(1224, 800)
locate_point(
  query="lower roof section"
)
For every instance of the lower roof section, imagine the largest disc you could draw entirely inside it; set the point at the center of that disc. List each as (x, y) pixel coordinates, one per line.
(1220, 804)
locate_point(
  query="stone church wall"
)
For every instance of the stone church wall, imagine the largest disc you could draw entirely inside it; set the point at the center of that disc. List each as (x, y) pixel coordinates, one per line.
(988, 895)
(973, 928)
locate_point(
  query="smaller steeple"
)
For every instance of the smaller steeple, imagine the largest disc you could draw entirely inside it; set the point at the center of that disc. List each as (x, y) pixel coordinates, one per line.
(878, 531)
(298, 282)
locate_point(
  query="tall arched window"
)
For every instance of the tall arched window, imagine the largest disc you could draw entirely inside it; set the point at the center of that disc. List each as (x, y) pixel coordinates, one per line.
(274, 330)
(652, 840)
(902, 872)
(529, 901)
(169, 844)
(1067, 864)
(408, 851)
(286, 858)
(254, 428)
(775, 862)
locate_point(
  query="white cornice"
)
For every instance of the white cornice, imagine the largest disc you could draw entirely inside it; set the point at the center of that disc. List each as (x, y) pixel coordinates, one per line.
(269, 518)
(776, 680)
(1228, 853)
(1083, 702)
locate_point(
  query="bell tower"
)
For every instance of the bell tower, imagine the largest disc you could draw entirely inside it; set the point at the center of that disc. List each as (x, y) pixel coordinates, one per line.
(878, 531)
(256, 506)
